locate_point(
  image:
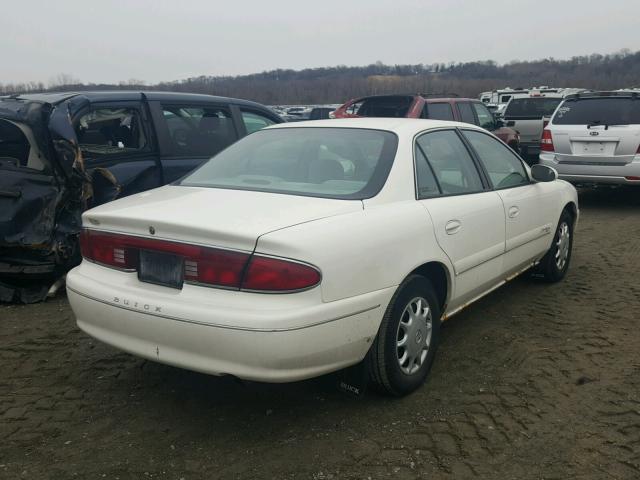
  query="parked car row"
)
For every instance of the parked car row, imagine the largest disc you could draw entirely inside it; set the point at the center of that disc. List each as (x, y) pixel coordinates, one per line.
(425, 106)
(245, 251)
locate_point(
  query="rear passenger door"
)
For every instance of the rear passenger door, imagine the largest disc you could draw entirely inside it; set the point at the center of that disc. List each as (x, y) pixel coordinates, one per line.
(118, 145)
(528, 206)
(191, 133)
(468, 217)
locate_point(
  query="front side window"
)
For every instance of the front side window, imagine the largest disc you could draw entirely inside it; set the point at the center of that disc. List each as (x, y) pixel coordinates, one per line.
(485, 119)
(198, 131)
(348, 163)
(504, 168)
(111, 131)
(439, 111)
(450, 161)
(254, 121)
(598, 111)
(466, 113)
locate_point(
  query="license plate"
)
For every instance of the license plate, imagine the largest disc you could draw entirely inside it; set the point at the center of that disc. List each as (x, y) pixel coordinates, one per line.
(594, 148)
(161, 269)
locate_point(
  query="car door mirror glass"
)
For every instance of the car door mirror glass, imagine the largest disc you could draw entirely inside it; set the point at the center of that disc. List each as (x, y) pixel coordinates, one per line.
(542, 173)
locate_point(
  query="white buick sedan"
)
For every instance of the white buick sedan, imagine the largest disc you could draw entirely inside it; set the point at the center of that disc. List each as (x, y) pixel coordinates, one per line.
(306, 248)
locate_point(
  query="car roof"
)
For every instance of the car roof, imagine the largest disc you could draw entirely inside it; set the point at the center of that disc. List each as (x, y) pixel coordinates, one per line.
(124, 95)
(400, 126)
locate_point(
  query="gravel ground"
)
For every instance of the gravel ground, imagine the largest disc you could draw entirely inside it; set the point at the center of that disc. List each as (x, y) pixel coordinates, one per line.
(535, 381)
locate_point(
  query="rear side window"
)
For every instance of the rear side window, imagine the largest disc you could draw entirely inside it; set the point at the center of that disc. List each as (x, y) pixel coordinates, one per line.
(396, 106)
(425, 179)
(532, 108)
(439, 111)
(598, 111)
(111, 131)
(450, 161)
(504, 168)
(198, 131)
(254, 121)
(466, 114)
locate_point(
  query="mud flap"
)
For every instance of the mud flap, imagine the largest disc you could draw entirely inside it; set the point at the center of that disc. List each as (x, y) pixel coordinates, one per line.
(353, 380)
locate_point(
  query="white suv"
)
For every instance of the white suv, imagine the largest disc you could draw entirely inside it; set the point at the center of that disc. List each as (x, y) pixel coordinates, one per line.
(595, 138)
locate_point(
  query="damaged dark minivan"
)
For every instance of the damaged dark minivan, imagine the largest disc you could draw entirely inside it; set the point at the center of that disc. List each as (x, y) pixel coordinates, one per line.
(61, 153)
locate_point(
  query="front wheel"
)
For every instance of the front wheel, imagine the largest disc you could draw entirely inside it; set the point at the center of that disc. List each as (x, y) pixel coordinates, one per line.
(554, 265)
(403, 351)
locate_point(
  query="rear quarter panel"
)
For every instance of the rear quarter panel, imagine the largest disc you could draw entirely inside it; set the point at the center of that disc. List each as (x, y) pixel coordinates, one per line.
(361, 252)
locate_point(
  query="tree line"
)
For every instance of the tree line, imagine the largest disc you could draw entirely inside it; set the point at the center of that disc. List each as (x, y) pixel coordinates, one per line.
(339, 83)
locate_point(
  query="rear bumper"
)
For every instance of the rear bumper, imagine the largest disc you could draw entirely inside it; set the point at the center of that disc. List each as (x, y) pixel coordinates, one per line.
(271, 338)
(584, 173)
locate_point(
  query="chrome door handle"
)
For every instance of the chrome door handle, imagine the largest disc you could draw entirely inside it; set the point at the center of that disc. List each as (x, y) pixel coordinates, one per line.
(513, 212)
(452, 227)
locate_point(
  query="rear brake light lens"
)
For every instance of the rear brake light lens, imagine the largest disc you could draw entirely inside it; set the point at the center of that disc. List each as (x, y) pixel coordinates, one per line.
(108, 249)
(202, 265)
(546, 142)
(277, 275)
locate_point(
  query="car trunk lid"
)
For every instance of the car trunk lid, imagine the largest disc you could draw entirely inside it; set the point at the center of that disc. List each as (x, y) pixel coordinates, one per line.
(211, 216)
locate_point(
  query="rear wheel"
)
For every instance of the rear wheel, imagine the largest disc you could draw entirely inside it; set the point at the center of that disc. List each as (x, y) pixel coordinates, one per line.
(403, 351)
(554, 265)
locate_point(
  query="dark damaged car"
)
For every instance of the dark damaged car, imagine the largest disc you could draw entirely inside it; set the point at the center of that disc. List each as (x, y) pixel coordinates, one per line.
(61, 153)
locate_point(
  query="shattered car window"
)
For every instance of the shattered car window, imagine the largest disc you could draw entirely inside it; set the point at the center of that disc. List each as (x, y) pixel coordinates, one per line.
(109, 131)
(198, 131)
(18, 147)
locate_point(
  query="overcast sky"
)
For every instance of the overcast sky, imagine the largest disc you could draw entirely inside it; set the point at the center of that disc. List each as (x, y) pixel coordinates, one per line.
(154, 40)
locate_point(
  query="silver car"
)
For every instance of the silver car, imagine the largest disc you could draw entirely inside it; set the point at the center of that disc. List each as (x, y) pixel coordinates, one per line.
(595, 138)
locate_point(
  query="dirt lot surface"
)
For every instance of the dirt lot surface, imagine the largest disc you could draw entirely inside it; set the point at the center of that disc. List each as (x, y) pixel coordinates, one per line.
(535, 381)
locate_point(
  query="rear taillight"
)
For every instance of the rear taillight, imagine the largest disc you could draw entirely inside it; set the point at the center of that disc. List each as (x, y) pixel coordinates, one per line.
(277, 275)
(546, 142)
(202, 265)
(108, 249)
(638, 151)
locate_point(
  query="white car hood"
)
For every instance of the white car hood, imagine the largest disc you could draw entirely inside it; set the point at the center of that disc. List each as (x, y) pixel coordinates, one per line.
(211, 216)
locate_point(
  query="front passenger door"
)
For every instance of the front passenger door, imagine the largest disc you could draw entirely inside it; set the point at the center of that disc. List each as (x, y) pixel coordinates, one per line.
(528, 206)
(467, 217)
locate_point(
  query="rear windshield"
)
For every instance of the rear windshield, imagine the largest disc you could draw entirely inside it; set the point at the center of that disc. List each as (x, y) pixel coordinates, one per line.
(531, 107)
(396, 106)
(347, 163)
(598, 111)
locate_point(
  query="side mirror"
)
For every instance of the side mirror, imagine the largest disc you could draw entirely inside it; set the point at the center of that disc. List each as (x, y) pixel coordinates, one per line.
(499, 123)
(511, 123)
(542, 173)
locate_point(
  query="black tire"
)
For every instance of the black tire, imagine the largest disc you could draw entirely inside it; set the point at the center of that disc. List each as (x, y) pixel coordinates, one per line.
(385, 371)
(548, 268)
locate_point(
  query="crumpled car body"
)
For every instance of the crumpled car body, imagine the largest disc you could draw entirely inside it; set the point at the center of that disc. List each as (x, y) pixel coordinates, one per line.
(62, 153)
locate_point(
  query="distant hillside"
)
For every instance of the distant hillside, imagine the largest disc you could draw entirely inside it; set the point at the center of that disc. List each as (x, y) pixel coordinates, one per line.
(337, 84)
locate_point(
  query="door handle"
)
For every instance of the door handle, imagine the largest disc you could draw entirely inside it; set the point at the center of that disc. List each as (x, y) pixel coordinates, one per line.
(514, 212)
(452, 227)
